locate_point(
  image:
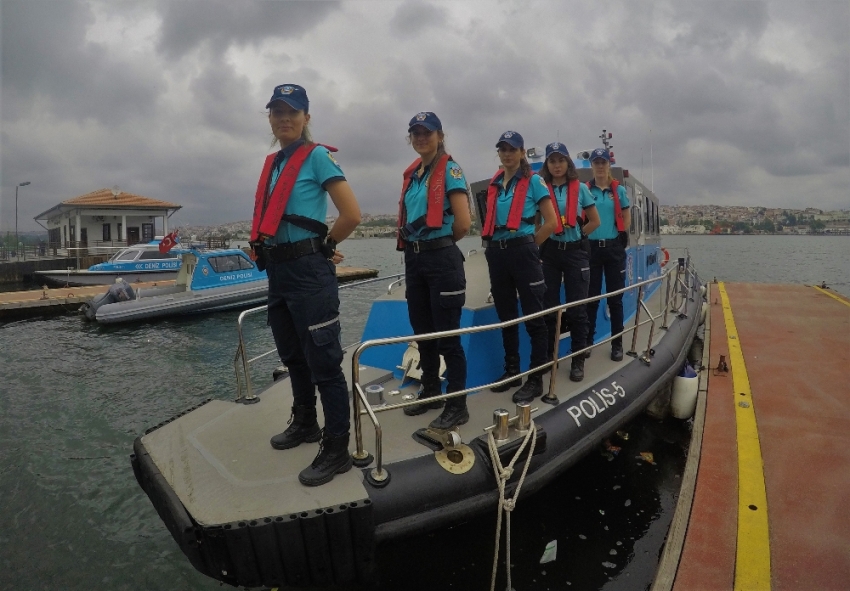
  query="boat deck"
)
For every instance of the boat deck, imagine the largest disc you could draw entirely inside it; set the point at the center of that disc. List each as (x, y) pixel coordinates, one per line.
(228, 472)
(772, 489)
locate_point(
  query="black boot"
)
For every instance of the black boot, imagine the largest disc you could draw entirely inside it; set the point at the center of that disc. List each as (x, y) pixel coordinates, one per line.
(616, 351)
(302, 427)
(532, 388)
(453, 415)
(511, 369)
(577, 368)
(333, 458)
(428, 390)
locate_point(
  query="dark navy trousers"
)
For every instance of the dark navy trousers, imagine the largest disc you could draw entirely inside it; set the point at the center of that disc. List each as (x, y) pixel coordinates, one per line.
(517, 270)
(304, 318)
(609, 261)
(573, 268)
(436, 292)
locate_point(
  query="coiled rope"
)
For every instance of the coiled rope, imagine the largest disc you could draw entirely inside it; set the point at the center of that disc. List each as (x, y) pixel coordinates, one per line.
(503, 474)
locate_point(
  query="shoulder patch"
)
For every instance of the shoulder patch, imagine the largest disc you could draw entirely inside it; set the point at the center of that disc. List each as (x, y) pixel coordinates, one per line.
(456, 172)
(331, 156)
(542, 182)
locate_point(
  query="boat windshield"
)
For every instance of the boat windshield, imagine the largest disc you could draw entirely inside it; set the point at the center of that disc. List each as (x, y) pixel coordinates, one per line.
(126, 255)
(228, 263)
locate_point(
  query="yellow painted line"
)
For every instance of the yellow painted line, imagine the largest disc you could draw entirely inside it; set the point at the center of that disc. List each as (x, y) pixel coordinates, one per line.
(752, 559)
(832, 295)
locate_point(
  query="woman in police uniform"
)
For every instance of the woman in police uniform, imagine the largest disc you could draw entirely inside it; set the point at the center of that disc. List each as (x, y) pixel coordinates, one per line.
(289, 237)
(514, 198)
(433, 215)
(566, 254)
(608, 246)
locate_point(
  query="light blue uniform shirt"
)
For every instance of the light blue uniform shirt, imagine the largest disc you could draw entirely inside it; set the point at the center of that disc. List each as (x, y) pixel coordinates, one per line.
(537, 191)
(308, 197)
(585, 200)
(604, 200)
(416, 200)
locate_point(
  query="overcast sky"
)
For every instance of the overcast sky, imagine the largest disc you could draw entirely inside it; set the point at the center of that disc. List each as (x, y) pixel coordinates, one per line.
(748, 102)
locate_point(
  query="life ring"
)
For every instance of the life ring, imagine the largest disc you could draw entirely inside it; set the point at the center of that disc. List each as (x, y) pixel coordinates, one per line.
(666, 257)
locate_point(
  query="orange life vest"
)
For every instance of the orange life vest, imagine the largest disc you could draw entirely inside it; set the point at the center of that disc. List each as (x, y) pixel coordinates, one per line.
(269, 207)
(618, 210)
(433, 218)
(567, 218)
(517, 205)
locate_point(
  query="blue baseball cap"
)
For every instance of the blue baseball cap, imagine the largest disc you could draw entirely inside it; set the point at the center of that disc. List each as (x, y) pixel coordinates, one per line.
(511, 138)
(425, 119)
(600, 153)
(293, 95)
(557, 148)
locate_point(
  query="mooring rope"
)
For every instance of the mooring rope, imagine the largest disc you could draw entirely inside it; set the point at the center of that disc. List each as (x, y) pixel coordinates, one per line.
(503, 474)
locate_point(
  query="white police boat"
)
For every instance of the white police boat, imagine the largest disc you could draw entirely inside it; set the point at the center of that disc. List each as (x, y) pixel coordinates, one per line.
(236, 508)
(140, 262)
(208, 281)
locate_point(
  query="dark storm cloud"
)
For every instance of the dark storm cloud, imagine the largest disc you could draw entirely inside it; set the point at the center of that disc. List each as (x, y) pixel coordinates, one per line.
(220, 95)
(218, 24)
(716, 26)
(413, 17)
(46, 58)
(748, 102)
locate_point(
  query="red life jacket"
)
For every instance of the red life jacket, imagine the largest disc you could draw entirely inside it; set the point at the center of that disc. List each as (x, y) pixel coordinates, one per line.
(436, 193)
(618, 210)
(517, 205)
(269, 208)
(566, 219)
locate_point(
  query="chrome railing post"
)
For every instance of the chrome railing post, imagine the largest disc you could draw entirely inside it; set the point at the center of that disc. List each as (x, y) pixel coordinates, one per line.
(360, 455)
(666, 301)
(249, 389)
(649, 352)
(632, 351)
(550, 397)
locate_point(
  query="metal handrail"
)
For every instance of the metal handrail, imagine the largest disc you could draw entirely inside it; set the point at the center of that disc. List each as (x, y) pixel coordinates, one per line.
(395, 283)
(240, 348)
(360, 398)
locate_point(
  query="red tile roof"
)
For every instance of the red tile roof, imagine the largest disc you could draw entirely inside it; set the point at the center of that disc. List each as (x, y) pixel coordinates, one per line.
(105, 198)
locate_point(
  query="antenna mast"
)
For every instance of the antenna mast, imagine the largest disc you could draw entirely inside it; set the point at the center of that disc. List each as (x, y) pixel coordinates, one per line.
(606, 135)
(651, 169)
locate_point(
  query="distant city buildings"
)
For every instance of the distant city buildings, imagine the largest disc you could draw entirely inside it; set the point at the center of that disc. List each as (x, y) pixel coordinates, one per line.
(717, 219)
(675, 219)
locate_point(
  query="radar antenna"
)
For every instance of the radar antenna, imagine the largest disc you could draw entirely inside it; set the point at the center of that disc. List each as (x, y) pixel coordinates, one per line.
(607, 135)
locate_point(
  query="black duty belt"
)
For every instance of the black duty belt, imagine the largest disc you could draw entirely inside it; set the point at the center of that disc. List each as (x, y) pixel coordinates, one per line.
(563, 245)
(605, 243)
(292, 250)
(509, 243)
(434, 244)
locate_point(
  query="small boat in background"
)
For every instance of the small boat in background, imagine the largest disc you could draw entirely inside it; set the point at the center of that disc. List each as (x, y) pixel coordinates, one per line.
(140, 262)
(207, 281)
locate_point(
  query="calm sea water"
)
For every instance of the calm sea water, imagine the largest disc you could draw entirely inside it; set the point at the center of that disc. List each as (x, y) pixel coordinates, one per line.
(73, 397)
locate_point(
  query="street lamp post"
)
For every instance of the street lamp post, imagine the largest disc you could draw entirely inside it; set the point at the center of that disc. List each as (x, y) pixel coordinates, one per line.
(24, 184)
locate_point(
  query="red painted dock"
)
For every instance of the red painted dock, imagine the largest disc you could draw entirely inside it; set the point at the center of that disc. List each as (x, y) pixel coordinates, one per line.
(793, 385)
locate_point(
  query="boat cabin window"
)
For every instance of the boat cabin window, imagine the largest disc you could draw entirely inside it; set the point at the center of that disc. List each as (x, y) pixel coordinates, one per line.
(155, 254)
(127, 255)
(226, 263)
(657, 220)
(245, 263)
